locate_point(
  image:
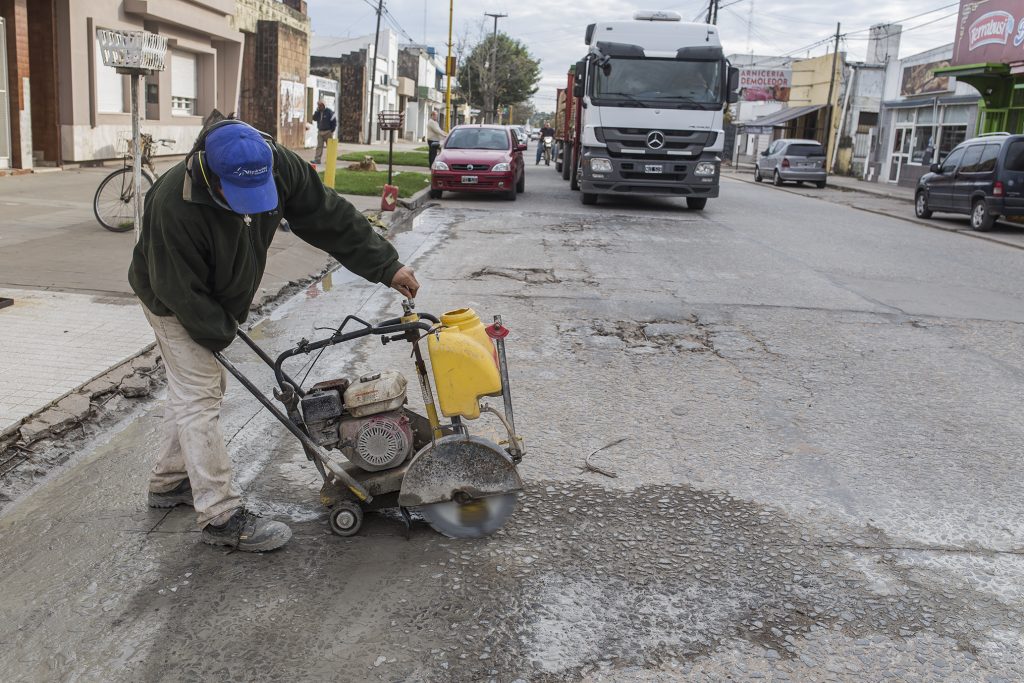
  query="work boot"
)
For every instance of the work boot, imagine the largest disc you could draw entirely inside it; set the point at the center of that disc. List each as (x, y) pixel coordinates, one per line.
(246, 531)
(179, 495)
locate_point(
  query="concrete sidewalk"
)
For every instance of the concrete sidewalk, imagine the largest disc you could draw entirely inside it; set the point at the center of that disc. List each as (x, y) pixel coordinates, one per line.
(74, 316)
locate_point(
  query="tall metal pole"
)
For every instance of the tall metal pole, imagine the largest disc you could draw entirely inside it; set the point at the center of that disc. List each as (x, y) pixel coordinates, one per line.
(136, 157)
(831, 89)
(493, 91)
(448, 71)
(373, 73)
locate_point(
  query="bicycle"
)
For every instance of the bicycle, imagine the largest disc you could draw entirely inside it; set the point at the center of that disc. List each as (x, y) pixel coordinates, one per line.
(112, 204)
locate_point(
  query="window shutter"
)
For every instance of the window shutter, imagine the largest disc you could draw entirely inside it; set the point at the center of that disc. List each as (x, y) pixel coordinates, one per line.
(183, 75)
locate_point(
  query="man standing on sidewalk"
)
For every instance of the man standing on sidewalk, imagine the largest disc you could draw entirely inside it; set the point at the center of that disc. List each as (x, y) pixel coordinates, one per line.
(434, 136)
(325, 125)
(197, 266)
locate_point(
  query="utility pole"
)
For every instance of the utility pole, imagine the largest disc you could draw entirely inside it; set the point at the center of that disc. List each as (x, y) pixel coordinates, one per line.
(448, 71)
(492, 98)
(373, 73)
(831, 89)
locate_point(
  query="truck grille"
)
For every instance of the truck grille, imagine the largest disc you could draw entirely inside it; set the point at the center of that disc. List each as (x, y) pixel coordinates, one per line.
(625, 142)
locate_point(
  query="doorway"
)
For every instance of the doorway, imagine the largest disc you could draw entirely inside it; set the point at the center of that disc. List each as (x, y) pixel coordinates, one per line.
(5, 102)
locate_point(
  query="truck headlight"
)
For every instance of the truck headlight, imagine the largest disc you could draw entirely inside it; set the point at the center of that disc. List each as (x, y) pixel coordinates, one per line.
(601, 165)
(503, 166)
(439, 166)
(704, 168)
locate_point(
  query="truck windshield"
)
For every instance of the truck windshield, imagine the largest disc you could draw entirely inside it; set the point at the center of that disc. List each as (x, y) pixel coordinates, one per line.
(664, 82)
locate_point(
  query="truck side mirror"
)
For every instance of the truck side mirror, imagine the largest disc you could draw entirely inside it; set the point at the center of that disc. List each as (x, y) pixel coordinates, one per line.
(579, 76)
(734, 85)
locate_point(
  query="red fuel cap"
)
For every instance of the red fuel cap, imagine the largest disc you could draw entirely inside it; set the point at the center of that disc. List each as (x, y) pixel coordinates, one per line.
(496, 331)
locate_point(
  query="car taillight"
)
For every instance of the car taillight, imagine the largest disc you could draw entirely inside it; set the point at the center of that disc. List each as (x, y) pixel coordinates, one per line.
(785, 163)
(997, 189)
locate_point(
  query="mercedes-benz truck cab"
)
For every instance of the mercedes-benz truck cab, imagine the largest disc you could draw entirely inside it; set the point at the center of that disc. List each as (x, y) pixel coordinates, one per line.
(654, 91)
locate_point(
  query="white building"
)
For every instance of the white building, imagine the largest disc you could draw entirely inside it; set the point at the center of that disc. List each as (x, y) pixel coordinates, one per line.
(424, 68)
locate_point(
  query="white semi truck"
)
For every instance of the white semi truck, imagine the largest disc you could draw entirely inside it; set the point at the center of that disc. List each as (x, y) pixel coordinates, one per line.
(650, 95)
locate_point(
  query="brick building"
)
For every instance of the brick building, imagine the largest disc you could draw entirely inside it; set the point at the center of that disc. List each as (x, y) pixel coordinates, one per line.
(275, 67)
(59, 103)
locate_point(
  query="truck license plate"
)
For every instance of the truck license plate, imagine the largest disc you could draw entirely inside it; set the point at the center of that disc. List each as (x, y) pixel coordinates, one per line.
(652, 168)
(469, 180)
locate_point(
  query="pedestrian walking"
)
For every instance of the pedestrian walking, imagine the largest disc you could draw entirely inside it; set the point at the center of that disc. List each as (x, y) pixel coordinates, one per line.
(326, 123)
(208, 225)
(435, 134)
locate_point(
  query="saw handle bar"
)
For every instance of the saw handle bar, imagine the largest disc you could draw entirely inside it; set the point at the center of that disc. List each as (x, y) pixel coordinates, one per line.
(393, 326)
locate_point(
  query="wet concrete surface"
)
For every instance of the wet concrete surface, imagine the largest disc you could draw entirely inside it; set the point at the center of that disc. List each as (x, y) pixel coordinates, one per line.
(817, 478)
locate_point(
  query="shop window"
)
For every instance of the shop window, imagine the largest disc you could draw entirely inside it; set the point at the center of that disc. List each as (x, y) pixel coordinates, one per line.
(866, 121)
(957, 114)
(924, 145)
(1015, 156)
(110, 97)
(183, 84)
(972, 159)
(904, 116)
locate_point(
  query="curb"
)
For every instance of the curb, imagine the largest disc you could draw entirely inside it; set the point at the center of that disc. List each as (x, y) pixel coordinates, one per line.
(908, 219)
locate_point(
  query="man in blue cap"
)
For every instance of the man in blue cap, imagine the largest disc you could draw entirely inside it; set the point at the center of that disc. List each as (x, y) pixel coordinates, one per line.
(208, 224)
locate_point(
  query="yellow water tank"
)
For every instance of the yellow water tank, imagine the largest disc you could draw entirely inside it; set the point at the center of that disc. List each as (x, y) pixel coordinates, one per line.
(464, 362)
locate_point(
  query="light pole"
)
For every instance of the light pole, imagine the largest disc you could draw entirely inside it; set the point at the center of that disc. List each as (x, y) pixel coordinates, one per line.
(136, 54)
(493, 90)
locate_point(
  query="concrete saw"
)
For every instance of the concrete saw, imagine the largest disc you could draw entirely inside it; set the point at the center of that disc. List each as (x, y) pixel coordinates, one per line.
(472, 519)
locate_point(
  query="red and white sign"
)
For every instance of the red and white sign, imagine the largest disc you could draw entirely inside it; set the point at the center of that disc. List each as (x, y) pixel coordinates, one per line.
(989, 31)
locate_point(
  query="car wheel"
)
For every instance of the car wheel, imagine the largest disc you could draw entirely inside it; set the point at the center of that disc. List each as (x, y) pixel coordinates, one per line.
(521, 185)
(776, 179)
(820, 184)
(696, 203)
(757, 175)
(511, 195)
(981, 219)
(436, 194)
(921, 209)
(588, 198)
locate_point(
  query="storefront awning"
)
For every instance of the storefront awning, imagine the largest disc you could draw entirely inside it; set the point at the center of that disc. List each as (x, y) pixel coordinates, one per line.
(781, 116)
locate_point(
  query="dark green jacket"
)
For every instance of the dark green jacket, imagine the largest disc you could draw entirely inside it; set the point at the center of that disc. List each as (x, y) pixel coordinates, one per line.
(203, 264)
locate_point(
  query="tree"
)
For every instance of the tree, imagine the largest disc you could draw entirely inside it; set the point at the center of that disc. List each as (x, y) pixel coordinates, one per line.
(515, 75)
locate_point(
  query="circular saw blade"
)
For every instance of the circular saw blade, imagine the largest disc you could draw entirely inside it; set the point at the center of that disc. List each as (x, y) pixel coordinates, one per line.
(476, 518)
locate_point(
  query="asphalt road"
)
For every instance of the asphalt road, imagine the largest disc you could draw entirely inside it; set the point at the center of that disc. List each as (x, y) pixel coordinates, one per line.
(819, 478)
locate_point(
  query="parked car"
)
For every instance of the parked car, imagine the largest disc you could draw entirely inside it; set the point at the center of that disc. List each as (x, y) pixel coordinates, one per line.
(982, 177)
(521, 134)
(479, 159)
(799, 161)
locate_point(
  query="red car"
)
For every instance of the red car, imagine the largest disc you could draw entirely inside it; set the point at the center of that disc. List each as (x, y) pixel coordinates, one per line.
(479, 159)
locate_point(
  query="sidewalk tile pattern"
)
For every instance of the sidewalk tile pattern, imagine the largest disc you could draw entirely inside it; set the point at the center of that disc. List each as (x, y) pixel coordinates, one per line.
(52, 343)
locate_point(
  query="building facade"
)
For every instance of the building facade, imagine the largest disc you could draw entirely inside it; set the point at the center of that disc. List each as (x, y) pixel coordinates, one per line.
(424, 70)
(60, 104)
(367, 85)
(925, 114)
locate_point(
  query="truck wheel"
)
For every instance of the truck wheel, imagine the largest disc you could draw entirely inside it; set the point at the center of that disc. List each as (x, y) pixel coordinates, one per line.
(574, 172)
(588, 198)
(696, 203)
(565, 164)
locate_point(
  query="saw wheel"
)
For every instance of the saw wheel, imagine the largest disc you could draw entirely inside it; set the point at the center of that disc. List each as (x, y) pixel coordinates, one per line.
(470, 517)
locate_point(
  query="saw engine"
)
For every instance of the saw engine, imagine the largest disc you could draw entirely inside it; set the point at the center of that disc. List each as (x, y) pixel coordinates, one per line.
(364, 419)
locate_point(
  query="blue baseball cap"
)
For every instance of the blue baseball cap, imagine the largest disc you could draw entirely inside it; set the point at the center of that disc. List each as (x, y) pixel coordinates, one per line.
(244, 162)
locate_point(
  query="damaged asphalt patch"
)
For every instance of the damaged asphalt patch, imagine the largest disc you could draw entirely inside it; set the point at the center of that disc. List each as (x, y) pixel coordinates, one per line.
(574, 587)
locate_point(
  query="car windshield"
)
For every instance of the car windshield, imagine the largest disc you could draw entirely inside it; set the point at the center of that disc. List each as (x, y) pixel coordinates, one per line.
(651, 80)
(805, 151)
(477, 138)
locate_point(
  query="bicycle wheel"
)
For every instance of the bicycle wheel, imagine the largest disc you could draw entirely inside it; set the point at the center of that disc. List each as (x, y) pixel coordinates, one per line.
(113, 201)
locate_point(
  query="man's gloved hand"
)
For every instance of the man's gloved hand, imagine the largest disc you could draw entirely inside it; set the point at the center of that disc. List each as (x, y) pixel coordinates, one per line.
(405, 282)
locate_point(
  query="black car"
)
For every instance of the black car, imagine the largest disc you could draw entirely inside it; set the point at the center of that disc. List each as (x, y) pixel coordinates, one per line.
(982, 177)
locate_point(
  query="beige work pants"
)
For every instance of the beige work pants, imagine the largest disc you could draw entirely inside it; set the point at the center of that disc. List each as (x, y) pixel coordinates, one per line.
(322, 136)
(193, 445)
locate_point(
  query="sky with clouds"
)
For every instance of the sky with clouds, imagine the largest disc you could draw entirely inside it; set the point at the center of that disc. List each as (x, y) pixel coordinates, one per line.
(553, 31)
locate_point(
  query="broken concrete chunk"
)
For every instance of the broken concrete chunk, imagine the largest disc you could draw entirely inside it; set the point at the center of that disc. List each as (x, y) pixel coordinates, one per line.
(136, 386)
